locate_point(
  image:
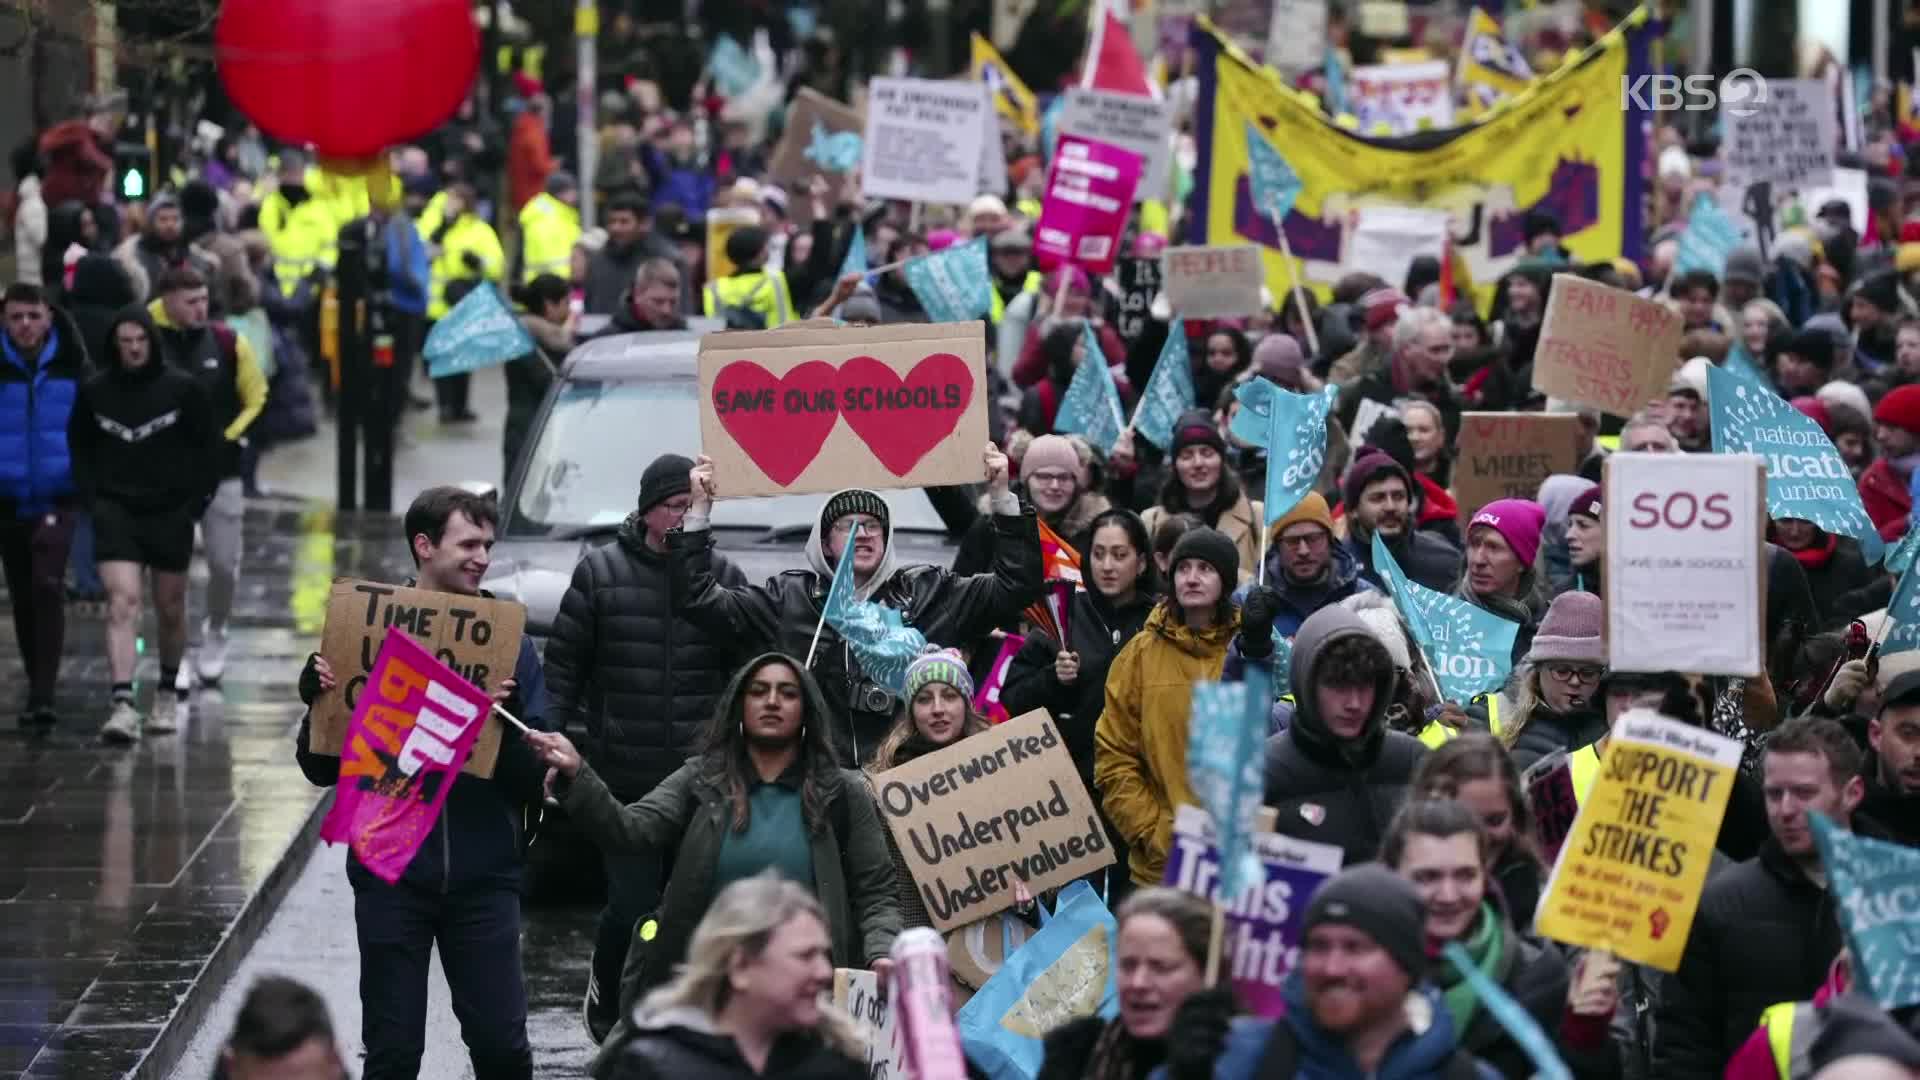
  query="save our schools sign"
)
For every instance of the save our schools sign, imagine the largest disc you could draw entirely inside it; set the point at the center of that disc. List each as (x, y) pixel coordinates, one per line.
(993, 812)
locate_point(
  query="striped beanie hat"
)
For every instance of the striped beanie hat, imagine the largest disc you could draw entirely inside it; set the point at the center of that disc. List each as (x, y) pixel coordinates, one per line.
(943, 666)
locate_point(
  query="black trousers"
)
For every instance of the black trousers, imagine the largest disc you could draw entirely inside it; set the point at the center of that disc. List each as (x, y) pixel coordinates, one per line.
(633, 890)
(478, 932)
(33, 553)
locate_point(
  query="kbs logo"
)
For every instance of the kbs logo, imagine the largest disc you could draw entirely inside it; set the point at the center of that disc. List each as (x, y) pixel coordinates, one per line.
(1742, 93)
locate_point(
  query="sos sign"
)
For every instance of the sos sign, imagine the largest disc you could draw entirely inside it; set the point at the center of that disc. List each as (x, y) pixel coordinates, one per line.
(1685, 564)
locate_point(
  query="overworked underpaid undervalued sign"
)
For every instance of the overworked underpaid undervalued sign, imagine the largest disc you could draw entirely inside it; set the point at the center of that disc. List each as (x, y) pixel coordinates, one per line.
(989, 813)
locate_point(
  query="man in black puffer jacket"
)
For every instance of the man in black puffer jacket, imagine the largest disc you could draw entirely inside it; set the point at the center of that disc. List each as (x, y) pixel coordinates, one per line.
(1766, 930)
(1336, 775)
(636, 682)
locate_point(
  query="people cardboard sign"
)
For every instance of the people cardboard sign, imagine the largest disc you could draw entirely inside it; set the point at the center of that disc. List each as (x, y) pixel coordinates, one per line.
(990, 813)
(1628, 879)
(1210, 282)
(1505, 455)
(1604, 347)
(820, 409)
(822, 136)
(478, 637)
(1686, 570)
(857, 993)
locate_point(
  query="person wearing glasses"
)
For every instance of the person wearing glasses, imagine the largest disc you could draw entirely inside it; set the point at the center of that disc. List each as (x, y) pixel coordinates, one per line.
(1307, 569)
(1556, 705)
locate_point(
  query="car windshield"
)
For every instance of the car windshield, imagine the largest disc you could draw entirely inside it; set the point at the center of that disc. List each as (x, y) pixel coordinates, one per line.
(584, 469)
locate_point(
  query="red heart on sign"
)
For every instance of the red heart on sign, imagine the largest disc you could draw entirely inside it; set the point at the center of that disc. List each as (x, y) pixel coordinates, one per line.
(768, 417)
(901, 419)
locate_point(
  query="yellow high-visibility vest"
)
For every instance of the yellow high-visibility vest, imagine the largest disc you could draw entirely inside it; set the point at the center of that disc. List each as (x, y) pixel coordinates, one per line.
(1030, 285)
(1436, 734)
(468, 234)
(548, 230)
(757, 290)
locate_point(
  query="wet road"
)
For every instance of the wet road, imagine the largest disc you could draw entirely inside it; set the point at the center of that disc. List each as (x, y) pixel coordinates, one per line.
(135, 883)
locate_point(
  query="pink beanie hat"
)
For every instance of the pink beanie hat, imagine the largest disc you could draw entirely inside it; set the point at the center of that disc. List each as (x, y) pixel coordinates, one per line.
(1518, 521)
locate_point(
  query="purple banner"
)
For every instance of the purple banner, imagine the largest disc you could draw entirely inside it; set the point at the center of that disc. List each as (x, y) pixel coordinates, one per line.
(1262, 940)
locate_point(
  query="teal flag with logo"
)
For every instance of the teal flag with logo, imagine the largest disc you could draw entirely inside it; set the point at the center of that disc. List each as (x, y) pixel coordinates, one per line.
(881, 641)
(1710, 236)
(1226, 730)
(1169, 391)
(479, 332)
(1274, 183)
(953, 285)
(1469, 648)
(1875, 885)
(856, 260)
(1806, 477)
(1091, 405)
(1296, 445)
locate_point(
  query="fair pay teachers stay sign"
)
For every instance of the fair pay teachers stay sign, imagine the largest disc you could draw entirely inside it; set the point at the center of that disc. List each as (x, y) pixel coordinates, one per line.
(989, 814)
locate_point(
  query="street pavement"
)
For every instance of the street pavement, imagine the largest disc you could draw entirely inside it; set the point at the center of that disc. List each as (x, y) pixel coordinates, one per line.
(141, 890)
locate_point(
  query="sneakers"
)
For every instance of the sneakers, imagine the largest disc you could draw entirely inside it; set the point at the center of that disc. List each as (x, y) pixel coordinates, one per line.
(599, 1019)
(123, 727)
(210, 661)
(164, 719)
(183, 679)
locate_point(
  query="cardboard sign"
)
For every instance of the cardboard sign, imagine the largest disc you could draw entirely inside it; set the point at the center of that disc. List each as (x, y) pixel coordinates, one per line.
(1402, 98)
(1089, 196)
(1686, 570)
(798, 410)
(1297, 35)
(923, 140)
(1605, 347)
(1505, 455)
(412, 731)
(1214, 282)
(1384, 240)
(1628, 880)
(1139, 284)
(1002, 808)
(477, 637)
(822, 136)
(1263, 924)
(1786, 136)
(1553, 801)
(857, 993)
(1135, 123)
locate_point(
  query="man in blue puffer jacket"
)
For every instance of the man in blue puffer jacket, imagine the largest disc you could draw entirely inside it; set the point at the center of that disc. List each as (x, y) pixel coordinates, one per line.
(42, 362)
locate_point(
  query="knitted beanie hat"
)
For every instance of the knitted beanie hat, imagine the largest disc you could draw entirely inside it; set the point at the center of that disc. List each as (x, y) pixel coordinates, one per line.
(939, 666)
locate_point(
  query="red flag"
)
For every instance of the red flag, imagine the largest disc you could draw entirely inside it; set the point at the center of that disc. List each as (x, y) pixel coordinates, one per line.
(1111, 62)
(1058, 563)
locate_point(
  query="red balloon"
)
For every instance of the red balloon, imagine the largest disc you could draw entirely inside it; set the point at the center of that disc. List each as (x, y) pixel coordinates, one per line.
(352, 77)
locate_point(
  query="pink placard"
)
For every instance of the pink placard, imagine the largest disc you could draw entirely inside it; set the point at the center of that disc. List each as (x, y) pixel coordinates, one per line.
(413, 727)
(1088, 197)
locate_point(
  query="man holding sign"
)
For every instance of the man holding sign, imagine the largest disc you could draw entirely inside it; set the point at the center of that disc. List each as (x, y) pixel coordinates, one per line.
(461, 891)
(1766, 930)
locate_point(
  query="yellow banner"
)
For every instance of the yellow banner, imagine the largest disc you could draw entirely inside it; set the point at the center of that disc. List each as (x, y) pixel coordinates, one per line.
(1564, 146)
(1490, 69)
(1629, 876)
(1011, 98)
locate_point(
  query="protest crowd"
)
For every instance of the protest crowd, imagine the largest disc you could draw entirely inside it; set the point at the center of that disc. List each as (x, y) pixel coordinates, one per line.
(1427, 633)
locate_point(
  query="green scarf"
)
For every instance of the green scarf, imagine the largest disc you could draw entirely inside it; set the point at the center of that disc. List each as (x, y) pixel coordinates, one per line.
(1487, 945)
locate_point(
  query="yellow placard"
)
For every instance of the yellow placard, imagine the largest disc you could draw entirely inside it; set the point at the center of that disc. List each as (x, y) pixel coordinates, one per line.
(1629, 876)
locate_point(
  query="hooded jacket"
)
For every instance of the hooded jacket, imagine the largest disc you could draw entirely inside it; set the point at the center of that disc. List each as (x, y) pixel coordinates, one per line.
(37, 394)
(682, 1043)
(622, 667)
(1256, 1049)
(1140, 741)
(1711, 1004)
(144, 438)
(224, 363)
(1330, 790)
(689, 815)
(1099, 630)
(782, 612)
(1298, 601)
